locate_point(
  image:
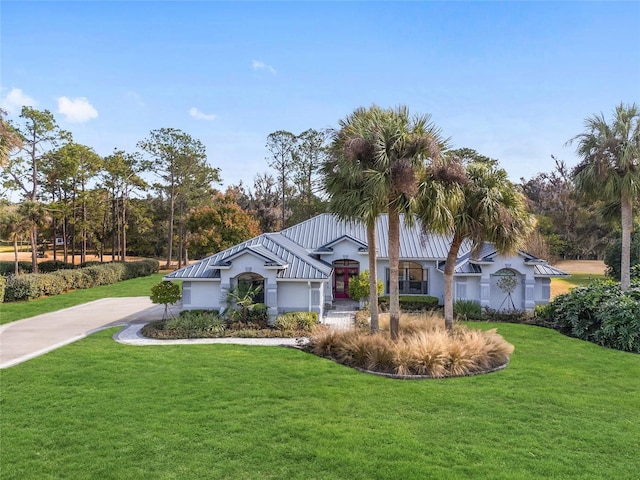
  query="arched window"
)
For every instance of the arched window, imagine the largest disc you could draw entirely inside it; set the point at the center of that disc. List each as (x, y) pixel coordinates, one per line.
(252, 280)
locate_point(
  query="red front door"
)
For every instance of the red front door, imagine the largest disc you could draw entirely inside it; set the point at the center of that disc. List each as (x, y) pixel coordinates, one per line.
(341, 276)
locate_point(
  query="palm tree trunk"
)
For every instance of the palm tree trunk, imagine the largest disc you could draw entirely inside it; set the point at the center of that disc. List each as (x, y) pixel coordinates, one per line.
(373, 277)
(394, 260)
(15, 254)
(34, 248)
(124, 230)
(170, 234)
(449, 268)
(627, 226)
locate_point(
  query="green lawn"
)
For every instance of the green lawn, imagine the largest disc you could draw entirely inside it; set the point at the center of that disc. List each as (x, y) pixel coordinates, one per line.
(563, 285)
(137, 287)
(563, 408)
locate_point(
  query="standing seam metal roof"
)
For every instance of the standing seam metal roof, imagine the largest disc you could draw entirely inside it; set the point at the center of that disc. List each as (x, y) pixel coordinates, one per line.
(294, 246)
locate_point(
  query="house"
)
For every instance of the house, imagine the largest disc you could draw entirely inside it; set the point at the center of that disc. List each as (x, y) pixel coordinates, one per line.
(308, 266)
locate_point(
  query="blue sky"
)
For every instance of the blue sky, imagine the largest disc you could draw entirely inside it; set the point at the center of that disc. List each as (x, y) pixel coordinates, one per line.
(513, 80)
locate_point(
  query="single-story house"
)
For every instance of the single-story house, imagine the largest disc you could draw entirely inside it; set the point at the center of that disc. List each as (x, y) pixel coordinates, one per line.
(307, 267)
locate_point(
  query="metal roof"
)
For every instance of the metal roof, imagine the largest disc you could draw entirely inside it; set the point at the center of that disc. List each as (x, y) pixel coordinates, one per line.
(273, 248)
(293, 249)
(323, 230)
(546, 270)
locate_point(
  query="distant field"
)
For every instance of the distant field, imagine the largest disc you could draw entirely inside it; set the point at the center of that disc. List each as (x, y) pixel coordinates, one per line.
(582, 272)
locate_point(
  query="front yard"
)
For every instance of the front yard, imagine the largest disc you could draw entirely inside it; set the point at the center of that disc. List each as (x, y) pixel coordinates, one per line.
(563, 408)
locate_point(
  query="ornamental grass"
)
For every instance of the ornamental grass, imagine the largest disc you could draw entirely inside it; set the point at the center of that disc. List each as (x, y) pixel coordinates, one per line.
(424, 348)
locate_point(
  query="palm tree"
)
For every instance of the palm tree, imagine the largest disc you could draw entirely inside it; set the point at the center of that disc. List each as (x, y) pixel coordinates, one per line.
(486, 208)
(345, 171)
(404, 144)
(610, 169)
(12, 226)
(35, 215)
(10, 140)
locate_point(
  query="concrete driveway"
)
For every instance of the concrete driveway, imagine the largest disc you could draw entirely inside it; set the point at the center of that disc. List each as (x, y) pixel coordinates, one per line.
(28, 338)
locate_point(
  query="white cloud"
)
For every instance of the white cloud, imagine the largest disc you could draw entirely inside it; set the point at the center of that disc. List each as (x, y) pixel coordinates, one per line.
(15, 100)
(195, 113)
(76, 110)
(258, 65)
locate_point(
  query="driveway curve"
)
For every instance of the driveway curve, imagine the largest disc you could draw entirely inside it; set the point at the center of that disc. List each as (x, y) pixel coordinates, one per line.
(31, 337)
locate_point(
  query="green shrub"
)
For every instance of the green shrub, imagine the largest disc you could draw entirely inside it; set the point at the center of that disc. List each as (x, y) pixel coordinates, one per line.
(73, 279)
(600, 313)
(410, 303)
(259, 315)
(359, 286)
(31, 286)
(467, 310)
(142, 268)
(296, 321)
(92, 263)
(22, 287)
(8, 268)
(506, 316)
(613, 255)
(106, 274)
(165, 293)
(54, 265)
(3, 284)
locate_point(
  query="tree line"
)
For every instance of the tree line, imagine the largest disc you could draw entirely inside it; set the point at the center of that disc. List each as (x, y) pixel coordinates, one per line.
(79, 202)
(160, 200)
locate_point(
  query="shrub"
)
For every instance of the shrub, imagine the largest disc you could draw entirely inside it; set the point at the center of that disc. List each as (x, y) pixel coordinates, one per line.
(54, 265)
(613, 255)
(31, 286)
(189, 324)
(22, 287)
(467, 310)
(600, 313)
(359, 286)
(141, 268)
(259, 315)
(8, 268)
(410, 303)
(3, 284)
(506, 316)
(165, 293)
(296, 321)
(105, 274)
(73, 279)
(92, 263)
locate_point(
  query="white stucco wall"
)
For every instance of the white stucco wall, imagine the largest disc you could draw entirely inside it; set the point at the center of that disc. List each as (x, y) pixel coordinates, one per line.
(300, 296)
(200, 294)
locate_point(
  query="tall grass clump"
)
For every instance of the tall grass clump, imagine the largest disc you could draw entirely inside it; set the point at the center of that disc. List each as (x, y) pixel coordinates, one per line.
(424, 348)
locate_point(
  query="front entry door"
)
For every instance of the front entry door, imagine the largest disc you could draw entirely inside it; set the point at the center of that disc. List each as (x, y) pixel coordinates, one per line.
(341, 276)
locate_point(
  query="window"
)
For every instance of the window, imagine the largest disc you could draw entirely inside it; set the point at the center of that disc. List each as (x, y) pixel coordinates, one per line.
(252, 280)
(412, 279)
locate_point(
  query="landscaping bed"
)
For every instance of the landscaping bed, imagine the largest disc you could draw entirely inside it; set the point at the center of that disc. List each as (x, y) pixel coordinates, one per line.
(209, 324)
(424, 349)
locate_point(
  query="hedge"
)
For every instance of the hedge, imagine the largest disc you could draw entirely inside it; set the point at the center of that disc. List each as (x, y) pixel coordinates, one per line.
(54, 265)
(34, 285)
(3, 284)
(296, 321)
(9, 268)
(410, 303)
